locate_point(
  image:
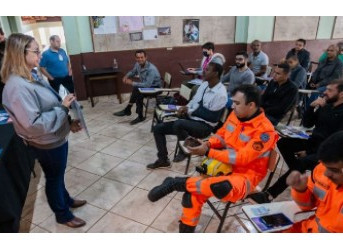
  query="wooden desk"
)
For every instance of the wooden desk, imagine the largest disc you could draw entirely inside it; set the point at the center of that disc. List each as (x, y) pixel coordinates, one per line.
(101, 74)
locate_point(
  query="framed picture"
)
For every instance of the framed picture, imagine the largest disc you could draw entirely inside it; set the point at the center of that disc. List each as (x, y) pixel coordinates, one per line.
(190, 30)
(164, 31)
(136, 36)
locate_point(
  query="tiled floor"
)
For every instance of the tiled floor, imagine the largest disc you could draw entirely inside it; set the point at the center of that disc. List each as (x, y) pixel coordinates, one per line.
(108, 170)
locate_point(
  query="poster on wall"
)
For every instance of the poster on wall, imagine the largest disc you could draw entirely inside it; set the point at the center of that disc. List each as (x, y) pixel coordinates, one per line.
(164, 31)
(136, 36)
(149, 21)
(190, 30)
(150, 34)
(129, 24)
(104, 25)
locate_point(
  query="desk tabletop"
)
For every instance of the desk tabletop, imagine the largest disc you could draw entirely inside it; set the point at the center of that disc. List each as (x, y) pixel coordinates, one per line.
(100, 71)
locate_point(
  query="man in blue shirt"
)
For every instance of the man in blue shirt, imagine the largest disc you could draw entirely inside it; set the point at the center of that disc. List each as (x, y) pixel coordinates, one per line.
(149, 77)
(55, 66)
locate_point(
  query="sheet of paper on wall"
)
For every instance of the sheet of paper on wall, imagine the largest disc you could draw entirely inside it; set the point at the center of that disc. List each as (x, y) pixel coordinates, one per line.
(129, 24)
(78, 115)
(150, 34)
(104, 24)
(149, 21)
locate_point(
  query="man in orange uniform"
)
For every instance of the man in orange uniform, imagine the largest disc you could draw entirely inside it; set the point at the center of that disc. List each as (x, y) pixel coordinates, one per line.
(245, 141)
(323, 190)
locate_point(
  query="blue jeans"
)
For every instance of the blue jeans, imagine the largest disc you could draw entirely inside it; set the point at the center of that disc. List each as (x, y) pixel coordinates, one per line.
(54, 162)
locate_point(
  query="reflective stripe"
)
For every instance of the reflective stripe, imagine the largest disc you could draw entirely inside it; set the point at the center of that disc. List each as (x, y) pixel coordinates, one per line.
(304, 204)
(198, 184)
(232, 156)
(265, 154)
(321, 229)
(244, 137)
(230, 128)
(221, 140)
(319, 192)
(195, 220)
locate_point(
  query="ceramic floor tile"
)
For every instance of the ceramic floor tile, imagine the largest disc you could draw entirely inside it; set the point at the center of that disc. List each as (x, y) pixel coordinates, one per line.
(105, 193)
(152, 230)
(135, 205)
(121, 149)
(26, 226)
(139, 136)
(96, 125)
(117, 130)
(113, 223)
(168, 220)
(38, 229)
(128, 172)
(100, 163)
(145, 155)
(78, 155)
(77, 180)
(88, 213)
(96, 142)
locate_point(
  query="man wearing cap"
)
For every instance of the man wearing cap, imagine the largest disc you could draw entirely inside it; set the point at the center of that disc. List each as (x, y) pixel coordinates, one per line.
(197, 119)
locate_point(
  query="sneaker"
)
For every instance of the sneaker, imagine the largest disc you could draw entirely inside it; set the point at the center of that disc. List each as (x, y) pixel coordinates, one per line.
(137, 120)
(159, 164)
(261, 197)
(125, 112)
(180, 157)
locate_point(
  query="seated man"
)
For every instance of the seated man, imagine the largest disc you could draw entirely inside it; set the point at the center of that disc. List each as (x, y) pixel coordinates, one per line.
(149, 78)
(340, 54)
(239, 74)
(258, 60)
(321, 190)
(302, 54)
(245, 141)
(329, 69)
(280, 95)
(201, 115)
(298, 74)
(326, 114)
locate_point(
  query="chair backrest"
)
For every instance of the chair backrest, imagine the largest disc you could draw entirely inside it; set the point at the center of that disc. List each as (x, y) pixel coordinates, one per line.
(269, 70)
(185, 92)
(273, 160)
(167, 80)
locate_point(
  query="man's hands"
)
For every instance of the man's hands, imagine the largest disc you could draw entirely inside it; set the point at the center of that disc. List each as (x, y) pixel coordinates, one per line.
(182, 111)
(68, 100)
(297, 181)
(75, 126)
(127, 80)
(199, 150)
(319, 102)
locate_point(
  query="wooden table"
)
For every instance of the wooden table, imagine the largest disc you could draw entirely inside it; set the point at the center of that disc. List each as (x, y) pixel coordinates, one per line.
(101, 74)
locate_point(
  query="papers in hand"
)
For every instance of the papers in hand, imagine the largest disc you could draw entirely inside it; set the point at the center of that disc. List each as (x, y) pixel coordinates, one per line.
(292, 132)
(78, 115)
(169, 107)
(156, 90)
(196, 81)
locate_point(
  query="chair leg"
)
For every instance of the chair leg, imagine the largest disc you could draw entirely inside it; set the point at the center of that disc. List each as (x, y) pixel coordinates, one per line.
(223, 217)
(177, 148)
(188, 162)
(146, 107)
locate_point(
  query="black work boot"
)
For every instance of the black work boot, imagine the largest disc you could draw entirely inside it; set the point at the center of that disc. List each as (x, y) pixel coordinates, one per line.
(124, 112)
(169, 185)
(183, 228)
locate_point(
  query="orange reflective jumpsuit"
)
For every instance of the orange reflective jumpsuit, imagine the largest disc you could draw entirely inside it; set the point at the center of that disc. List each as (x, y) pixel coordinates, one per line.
(327, 197)
(245, 145)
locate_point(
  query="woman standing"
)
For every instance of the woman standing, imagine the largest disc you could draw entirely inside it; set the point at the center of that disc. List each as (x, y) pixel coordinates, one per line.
(41, 118)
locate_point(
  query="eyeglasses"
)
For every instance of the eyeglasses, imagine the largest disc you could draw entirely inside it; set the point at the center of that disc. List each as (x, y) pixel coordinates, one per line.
(34, 51)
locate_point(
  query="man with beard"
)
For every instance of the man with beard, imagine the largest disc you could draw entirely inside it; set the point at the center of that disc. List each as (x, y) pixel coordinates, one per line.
(258, 60)
(322, 190)
(326, 114)
(238, 75)
(280, 95)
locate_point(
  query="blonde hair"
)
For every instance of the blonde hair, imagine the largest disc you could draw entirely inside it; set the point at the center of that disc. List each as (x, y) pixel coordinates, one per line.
(14, 59)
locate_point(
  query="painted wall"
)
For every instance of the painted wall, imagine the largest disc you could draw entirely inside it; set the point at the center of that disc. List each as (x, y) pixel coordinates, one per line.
(220, 30)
